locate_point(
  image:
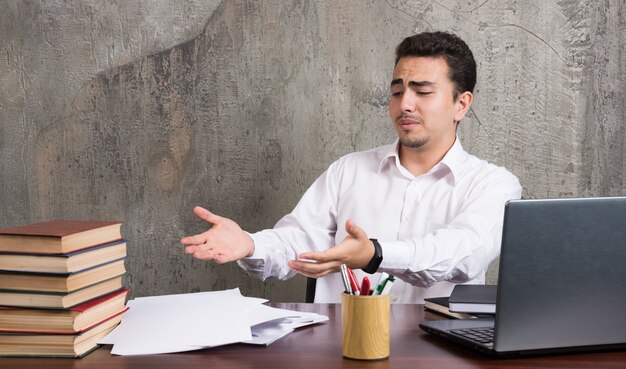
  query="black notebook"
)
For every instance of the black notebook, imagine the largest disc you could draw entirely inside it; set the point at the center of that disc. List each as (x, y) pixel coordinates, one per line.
(473, 299)
(440, 305)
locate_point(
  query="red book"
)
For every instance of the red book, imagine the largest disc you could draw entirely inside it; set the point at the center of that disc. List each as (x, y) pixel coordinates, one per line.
(56, 345)
(76, 319)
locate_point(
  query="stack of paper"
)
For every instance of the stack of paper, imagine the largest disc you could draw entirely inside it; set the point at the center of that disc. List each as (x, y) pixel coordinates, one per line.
(270, 324)
(175, 323)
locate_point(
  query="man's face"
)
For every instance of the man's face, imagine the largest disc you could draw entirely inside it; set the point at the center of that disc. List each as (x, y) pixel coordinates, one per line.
(421, 106)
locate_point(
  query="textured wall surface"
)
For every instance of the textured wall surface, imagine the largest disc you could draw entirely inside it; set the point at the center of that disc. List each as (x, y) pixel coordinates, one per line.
(139, 110)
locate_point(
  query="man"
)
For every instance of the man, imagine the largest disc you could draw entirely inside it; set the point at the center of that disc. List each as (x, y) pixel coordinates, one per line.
(421, 209)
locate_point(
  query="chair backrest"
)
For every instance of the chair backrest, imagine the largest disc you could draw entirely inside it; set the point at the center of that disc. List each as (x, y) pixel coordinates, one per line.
(310, 289)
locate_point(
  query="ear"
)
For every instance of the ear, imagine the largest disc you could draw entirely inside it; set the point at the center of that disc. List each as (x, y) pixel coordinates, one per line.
(463, 103)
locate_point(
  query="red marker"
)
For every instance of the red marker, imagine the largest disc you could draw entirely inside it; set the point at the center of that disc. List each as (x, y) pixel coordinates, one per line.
(365, 286)
(354, 283)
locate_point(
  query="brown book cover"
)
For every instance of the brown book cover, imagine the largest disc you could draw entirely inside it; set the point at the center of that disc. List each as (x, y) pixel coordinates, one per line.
(72, 262)
(58, 236)
(69, 321)
(50, 300)
(55, 345)
(440, 305)
(46, 282)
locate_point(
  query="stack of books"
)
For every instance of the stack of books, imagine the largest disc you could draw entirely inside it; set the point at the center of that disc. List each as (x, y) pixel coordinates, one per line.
(466, 301)
(60, 287)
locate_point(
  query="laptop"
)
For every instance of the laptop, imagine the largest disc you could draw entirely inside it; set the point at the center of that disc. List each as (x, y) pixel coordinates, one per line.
(561, 282)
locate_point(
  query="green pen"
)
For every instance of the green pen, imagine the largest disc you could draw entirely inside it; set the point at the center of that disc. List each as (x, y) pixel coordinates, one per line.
(381, 283)
(388, 285)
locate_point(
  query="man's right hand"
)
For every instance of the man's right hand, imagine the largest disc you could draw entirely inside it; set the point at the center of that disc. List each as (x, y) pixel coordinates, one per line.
(225, 241)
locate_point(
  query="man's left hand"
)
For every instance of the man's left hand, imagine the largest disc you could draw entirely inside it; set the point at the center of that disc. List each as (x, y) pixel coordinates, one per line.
(356, 251)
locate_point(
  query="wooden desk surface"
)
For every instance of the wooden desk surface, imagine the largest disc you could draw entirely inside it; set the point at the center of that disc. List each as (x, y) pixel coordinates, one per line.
(319, 347)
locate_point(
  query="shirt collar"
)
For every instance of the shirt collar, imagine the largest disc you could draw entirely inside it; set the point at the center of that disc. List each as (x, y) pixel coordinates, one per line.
(452, 160)
(388, 153)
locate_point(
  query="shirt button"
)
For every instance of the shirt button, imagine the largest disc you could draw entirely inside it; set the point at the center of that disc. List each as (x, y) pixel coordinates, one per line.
(406, 218)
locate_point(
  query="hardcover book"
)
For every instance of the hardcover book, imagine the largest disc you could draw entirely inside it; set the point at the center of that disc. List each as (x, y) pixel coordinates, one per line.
(63, 263)
(473, 299)
(55, 345)
(59, 300)
(42, 282)
(58, 236)
(440, 305)
(70, 321)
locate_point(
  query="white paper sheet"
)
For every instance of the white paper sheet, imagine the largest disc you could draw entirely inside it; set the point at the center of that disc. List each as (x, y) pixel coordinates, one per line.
(176, 323)
(268, 332)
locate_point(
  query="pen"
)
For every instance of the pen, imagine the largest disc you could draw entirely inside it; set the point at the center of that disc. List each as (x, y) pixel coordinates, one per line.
(346, 279)
(365, 286)
(354, 283)
(388, 285)
(381, 283)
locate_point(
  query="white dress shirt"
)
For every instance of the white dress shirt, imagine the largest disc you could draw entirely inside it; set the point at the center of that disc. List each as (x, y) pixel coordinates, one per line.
(436, 230)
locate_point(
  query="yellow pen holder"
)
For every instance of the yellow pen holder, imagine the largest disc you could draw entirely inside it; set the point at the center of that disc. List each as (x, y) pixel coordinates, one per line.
(365, 326)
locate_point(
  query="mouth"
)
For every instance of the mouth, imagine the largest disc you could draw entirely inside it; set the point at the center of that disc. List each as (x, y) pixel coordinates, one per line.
(407, 123)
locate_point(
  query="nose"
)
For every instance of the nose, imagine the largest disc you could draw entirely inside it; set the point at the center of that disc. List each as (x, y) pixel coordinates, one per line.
(407, 104)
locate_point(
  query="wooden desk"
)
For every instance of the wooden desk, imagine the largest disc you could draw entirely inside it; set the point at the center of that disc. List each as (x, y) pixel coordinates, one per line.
(319, 347)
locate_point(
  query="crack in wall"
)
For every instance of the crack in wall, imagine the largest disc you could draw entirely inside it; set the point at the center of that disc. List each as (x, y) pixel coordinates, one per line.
(461, 10)
(481, 24)
(481, 126)
(400, 10)
(534, 35)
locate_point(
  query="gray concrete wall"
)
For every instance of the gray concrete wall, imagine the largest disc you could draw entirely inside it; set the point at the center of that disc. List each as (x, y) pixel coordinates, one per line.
(139, 110)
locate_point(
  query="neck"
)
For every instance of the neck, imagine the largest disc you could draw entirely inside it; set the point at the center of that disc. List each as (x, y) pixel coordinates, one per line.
(422, 159)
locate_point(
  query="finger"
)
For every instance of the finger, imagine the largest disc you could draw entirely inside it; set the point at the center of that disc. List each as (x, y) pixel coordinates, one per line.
(204, 254)
(321, 257)
(198, 239)
(314, 268)
(192, 249)
(307, 272)
(312, 274)
(354, 230)
(206, 215)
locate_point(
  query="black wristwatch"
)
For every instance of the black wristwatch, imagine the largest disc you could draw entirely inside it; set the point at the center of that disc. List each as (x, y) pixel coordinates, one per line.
(373, 265)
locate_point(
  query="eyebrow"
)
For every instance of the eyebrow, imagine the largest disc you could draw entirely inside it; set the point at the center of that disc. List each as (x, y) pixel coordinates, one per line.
(400, 81)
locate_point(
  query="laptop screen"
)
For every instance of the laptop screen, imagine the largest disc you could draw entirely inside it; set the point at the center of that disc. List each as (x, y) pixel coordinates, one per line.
(562, 276)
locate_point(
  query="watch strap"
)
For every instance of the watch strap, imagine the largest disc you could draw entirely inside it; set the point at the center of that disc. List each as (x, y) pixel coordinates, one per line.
(373, 265)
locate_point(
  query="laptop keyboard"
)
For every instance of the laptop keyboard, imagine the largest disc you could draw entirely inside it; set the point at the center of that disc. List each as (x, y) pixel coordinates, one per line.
(482, 335)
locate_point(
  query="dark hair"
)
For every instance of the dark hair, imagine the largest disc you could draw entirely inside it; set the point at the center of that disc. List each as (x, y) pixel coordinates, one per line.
(456, 53)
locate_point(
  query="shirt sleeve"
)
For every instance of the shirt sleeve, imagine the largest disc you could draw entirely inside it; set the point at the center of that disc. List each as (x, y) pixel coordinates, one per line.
(461, 250)
(311, 226)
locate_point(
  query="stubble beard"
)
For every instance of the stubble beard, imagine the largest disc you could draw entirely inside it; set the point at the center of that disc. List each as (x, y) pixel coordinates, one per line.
(414, 143)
